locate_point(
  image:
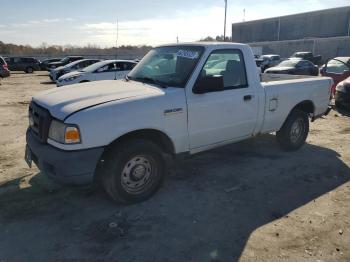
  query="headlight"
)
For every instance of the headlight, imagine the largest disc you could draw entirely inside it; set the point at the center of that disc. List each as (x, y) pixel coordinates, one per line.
(64, 133)
(340, 87)
(71, 78)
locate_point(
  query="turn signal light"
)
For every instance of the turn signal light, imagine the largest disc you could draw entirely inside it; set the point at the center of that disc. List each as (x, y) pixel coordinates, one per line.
(72, 135)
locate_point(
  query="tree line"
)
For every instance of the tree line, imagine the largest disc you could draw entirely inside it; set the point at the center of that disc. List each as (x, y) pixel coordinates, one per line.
(57, 50)
(44, 49)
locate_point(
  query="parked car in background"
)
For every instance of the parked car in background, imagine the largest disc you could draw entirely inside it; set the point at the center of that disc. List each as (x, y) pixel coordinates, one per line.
(294, 66)
(337, 68)
(342, 94)
(46, 62)
(74, 66)
(26, 64)
(4, 71)
(104, 70)
(63, 62)
(308, 56)
(267, 61)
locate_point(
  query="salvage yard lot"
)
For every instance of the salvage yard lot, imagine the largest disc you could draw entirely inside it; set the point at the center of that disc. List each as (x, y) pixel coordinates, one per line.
(248, 201)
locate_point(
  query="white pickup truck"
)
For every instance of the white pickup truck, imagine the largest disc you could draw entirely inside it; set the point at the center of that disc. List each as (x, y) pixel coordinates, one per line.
(179, 100)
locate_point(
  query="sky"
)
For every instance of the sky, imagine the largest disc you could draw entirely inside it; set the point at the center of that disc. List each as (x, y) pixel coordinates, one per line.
(94, 22)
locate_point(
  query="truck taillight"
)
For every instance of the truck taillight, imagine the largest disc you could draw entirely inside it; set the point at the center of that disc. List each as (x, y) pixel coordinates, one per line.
(5, 66)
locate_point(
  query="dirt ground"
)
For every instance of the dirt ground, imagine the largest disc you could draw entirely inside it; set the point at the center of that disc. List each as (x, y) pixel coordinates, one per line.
(244, 202)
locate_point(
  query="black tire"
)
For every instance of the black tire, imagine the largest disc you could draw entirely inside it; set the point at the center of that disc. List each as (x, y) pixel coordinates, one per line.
(294, 131)
(133, 171)
(338, 104)
(29, 70)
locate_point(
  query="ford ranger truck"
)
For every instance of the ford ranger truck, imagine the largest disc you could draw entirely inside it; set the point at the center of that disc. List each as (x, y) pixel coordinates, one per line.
(179, 100)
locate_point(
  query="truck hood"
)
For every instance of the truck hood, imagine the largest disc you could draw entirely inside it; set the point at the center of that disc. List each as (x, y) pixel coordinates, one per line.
(64, 101)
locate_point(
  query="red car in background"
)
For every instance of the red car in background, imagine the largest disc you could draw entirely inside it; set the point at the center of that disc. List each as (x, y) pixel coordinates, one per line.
(338, 69)
(4, 71)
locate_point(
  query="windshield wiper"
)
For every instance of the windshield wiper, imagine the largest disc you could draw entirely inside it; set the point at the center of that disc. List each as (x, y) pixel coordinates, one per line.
(148, 80)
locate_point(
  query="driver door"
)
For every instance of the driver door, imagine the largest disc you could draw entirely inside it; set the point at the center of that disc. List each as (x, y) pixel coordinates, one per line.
(337, 70)
(227, 114)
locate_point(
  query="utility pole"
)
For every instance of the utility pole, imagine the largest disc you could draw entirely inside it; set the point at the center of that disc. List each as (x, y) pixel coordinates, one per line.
(244, 15)
(116, 42)
(177, 39)
(225, 21)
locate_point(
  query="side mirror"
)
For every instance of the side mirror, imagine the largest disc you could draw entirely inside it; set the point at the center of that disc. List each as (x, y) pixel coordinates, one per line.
(209, 84)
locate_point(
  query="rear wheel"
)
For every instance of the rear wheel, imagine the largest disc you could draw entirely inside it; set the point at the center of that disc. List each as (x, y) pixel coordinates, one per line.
(29, 70)
(294, 131)
(133, 171)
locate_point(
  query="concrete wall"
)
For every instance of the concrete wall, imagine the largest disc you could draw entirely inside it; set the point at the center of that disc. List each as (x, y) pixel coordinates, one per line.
(319, 24)
(327, 47)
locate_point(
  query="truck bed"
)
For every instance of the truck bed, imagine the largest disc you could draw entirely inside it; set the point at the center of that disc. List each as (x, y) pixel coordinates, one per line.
(283, 92)
(265, 78)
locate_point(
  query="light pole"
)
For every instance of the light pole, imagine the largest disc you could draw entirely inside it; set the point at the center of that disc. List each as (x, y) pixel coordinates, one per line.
(225, 21)
(116, 41)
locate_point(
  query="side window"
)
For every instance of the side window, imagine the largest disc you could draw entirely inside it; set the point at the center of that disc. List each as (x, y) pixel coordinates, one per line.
(302, 64)
(308, 64)
(230, 65)
(17, 60)
(90, 62)
(128, 66)
(120, 67)
(78, 66)
(107, 68)
(336, 67)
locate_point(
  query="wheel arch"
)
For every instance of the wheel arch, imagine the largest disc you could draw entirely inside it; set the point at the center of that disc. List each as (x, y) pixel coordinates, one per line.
(306, 106)
(156, 136)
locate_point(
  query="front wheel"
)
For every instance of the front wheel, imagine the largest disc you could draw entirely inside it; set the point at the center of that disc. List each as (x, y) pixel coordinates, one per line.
(294, 131)
(133, 171)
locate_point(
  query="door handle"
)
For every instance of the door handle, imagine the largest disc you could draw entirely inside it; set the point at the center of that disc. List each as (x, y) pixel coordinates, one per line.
(247, 97)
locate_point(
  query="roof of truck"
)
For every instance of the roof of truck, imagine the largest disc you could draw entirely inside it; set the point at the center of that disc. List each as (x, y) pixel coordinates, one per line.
(204, 44)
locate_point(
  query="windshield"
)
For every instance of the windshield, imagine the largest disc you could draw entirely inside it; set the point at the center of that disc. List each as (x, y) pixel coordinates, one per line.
(289, 63)
(65, 59)
(301, 55)
(168, 65)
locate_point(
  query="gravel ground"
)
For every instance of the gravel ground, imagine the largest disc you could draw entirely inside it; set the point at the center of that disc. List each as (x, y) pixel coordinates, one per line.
(244, 202)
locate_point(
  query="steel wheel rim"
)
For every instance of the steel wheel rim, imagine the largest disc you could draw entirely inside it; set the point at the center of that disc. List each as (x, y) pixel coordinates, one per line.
(297, 130)
(138, 174)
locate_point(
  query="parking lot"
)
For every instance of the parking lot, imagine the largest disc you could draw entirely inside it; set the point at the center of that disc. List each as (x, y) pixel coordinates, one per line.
(249, 201)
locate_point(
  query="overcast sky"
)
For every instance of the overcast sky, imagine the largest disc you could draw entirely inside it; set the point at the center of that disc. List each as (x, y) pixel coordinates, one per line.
(82, 22)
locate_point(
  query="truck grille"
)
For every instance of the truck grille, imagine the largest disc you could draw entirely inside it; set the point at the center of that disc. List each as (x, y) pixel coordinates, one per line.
(39, 120)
